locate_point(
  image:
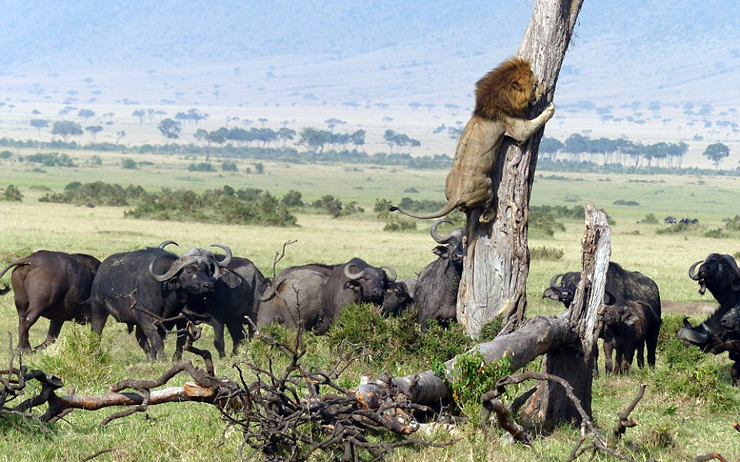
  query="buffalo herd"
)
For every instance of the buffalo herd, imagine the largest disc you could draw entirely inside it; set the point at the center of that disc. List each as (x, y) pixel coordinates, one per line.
(154, 291)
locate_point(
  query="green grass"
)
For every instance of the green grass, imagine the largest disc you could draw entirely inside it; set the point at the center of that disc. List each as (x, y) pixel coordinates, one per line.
(674, 425)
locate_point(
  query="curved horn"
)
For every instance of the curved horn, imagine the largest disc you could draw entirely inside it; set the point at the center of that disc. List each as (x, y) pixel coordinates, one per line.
(554, 281)
(435, 234)
(166, 243)
(692, 271)
(227, 258)
(175, 268)
(353, 276)
(733, 264)
(393, 275)
(693, 336)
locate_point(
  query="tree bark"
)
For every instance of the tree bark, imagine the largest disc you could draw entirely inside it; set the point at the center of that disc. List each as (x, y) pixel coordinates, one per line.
(575, 363)
(496, 266)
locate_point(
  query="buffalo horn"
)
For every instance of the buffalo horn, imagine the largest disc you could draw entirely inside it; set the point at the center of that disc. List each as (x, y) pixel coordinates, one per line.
(227, 258)
(435, 234)
(733, 264)
(692, 271)
(692, 336)
(351, 275)
(166, 243)
(175, 268)
(393, 275)
(554, 281)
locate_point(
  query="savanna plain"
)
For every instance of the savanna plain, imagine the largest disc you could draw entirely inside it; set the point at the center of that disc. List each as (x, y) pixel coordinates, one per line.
(688, 408)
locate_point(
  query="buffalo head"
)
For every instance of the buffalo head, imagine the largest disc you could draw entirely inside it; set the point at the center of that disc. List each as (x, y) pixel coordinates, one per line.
(370, 281)
(195, 271)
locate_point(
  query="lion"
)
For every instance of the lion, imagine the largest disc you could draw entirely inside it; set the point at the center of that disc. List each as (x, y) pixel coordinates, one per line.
(502, 99)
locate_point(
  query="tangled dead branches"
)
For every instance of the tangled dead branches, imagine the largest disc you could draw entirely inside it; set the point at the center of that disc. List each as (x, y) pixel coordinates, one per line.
(287, 418)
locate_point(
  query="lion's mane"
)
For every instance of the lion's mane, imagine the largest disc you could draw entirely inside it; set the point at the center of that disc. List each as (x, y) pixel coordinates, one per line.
(506, 90)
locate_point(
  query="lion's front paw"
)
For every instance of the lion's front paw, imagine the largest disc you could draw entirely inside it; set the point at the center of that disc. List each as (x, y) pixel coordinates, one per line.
(550, 109)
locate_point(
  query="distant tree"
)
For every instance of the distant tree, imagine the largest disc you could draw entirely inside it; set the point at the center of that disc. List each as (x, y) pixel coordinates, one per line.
(139, 114)
(313, 140)
(120, 135)
(414, 105)
(358, 138)
(399, 139)
(716, 152)
(12, 194)
(85, 114)
(170, 129)
(128, 164)
(66, 129)
(550, 147)
(39, 124)
(575, 145)
(93, 130)
(333, 122)
(285, 134)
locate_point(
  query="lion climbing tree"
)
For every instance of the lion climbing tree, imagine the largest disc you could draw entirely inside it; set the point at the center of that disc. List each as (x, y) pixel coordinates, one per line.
(497, 262)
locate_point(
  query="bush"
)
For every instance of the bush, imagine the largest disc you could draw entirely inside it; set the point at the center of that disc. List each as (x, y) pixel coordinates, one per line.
(717, 233)
(53, 159)
(12, 194)
(97, 192)
(228, 166)
(732, 224)
(5, 154)
(650, 219)
(546, 253)
(201, 167)
(677, 228)
(128, 164)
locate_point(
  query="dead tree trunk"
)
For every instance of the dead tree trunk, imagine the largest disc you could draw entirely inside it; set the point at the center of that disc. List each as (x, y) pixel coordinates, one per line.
(497, 261)
(575, 362)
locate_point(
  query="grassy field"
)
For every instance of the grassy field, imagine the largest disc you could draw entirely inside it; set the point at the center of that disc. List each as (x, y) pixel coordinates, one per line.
(673, 425)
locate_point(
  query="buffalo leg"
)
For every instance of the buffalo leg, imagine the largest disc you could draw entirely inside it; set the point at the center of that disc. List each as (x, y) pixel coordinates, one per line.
(236, 330)
(640, 355)
(26, 318)
(55, 328)
(627, 356)
(156, 342)
(651, 341)
(218, 339)
(608, 349)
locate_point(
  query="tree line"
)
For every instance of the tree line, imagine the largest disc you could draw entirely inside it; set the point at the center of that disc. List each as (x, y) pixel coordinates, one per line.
(626, 152)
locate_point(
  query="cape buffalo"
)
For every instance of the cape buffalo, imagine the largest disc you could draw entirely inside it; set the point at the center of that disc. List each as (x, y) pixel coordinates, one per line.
(622, 286)
(354, 282)
(236, 296)
(624, 331)
(54, 285)
(146, 288)
(435, 295)
(397, 298)
(719, 274)
(311, 296)
(294, 297)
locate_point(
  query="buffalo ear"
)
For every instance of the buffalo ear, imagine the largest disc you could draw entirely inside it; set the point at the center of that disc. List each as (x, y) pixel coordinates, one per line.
(551, 293)
(173, 284)
(630, 318)
(440, 250)
(735, 284)
(351, 284)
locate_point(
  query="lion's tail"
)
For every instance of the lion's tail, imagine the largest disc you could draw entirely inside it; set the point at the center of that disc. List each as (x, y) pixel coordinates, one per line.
(439, 213)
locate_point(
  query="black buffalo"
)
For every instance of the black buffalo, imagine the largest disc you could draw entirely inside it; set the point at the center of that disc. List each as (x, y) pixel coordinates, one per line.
(435, 295)
(719, 274)
(235, 297)
(397, 298)
(293, 299)
(311, 296)
(147, 288)
(53, 285)
(621, 286)
(625, 327)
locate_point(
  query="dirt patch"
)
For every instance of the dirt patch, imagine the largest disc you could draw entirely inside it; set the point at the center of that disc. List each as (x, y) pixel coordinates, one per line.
(689, 309)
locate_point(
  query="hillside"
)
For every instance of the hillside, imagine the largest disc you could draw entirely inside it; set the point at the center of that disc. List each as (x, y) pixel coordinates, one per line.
(638, 69)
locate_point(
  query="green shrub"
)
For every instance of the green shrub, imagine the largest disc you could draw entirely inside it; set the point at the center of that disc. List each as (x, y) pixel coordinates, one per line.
(546, 253)
(12, 194)
(53, 159)
(649, 219)
(5, 154)
(732, 224)
(201, 167)
(678, 228)
(717, 233)
(397, 222)
(128, 164)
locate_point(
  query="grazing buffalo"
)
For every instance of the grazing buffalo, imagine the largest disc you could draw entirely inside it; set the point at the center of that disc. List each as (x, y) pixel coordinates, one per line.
(624, 332)
(55, 285)
(293, 299)
(311, 296)
(235, 297)
(435, 295)
(670, 220)
(719, 274)
(397, 298)
(622, 286)
(147, 288)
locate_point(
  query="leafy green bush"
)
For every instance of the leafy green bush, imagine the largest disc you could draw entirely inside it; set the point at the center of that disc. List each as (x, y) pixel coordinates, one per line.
(5, 154)
(128, 164)
(12, 194)
(53, 159)
(650, 219)
(717, 233)
(228, 166)
(546, 253)
(677, 228)
(627, 203)
(97, 192)
(732, 224)
(201, 167)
